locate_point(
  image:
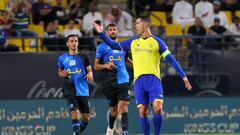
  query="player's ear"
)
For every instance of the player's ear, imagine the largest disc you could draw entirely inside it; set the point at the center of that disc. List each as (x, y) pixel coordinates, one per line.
(145, 25)
(67, 44)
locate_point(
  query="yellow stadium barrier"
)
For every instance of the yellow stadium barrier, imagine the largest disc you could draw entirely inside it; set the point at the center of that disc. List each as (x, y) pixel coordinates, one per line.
(158, 18)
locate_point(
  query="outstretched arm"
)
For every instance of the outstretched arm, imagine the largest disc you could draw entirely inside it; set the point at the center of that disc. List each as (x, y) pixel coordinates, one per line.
(124, 45)
(170, 59)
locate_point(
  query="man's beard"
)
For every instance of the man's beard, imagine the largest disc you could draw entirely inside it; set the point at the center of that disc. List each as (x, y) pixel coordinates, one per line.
(74, 49)
(216, 11)
(113, 38)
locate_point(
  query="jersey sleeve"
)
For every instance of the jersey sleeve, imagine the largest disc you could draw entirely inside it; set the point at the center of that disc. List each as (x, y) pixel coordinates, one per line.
(99, 52)
(170, 59)
(86, 60)
(124, 45)
(163, 49)
(60, 64)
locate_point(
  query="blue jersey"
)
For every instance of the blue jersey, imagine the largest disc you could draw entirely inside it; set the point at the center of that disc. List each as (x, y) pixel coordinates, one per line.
(3, 35)
(106, 54)
(76, 67)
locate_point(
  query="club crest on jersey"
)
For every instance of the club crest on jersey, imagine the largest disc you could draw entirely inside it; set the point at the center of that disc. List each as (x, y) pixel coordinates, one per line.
(116, 51)
(72, 62)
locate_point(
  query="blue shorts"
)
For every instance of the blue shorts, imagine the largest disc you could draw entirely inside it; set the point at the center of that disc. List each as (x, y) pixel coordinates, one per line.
(148, 88)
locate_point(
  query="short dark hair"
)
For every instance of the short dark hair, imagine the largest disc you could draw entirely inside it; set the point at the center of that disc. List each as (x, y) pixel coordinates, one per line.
(111, 25)
(98, 22)
(71, 35)
(72, 21)
(236, 18)
(145, 18)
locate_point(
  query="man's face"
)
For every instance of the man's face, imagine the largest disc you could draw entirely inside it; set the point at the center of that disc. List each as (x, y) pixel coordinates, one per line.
(216, 8)
(51, 26)
(198, 22)
(112, 32)
(115, 12)
(236, 21)
(139, 26)
(71, 24)
(72, 43)
(91, 7)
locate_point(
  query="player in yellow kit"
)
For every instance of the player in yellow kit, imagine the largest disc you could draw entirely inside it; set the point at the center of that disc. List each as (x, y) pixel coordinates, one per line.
(147, 50)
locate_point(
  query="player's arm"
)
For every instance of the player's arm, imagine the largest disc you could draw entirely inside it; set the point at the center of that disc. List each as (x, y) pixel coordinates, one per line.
(89, 75)
(124, 45)
(62, 73)
(99, 55)
(99, 66)
(170, 59)
(129, 62)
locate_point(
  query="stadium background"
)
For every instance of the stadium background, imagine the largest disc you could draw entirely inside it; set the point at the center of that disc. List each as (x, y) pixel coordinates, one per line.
(31, 101)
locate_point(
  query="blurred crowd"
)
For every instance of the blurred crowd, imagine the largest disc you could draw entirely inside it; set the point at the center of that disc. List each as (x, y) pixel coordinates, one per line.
(60, 18)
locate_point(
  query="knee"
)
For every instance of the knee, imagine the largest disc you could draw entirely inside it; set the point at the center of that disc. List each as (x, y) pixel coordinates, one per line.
(158, 106)
(114, 113)
(86, 117)
(158, 109)
(75, 114)
(143, 111)
(123, 107)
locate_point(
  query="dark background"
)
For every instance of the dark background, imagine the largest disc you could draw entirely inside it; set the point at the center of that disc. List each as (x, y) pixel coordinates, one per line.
(35, 76)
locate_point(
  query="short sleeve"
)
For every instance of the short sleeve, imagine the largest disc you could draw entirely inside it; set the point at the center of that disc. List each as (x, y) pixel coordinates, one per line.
(60, 64)
(99, 52)
(86, 59)
(163, 49)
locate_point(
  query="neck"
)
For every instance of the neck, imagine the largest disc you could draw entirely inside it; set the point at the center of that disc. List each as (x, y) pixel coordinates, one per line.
(72, 52)
(146, 33)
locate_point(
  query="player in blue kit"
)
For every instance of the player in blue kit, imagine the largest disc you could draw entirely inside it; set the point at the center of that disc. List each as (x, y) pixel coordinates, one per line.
(75, 67)
(146, 50)
(116, 83)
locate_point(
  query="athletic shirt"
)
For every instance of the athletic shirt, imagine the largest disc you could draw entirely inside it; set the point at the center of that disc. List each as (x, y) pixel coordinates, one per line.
(146, 53)
(105, 54)
(76, 67)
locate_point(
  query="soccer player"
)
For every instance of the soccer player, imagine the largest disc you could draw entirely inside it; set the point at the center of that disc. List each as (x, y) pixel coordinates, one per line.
(116, 83)
(75, 67)
(147, 49)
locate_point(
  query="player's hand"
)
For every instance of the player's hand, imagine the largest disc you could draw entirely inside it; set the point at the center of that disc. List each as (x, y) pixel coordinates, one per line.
(98, 28)
(188, 86)
(111, 66)
(64, 73)
(89, 76)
